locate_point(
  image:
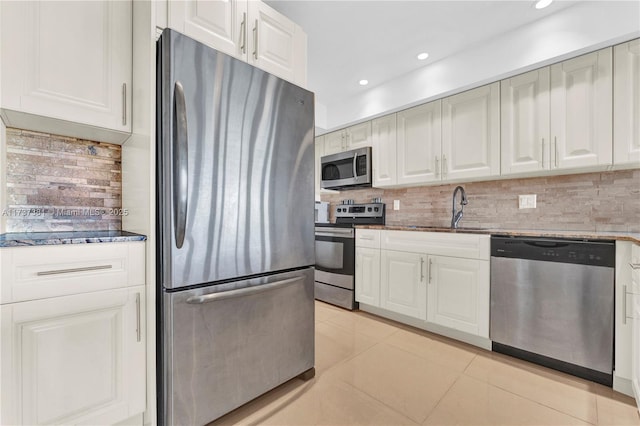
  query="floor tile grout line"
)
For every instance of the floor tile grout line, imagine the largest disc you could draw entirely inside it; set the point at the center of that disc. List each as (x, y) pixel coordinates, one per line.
(440, 399)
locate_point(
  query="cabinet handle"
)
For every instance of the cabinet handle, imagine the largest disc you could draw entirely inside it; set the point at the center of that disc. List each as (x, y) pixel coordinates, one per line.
(366, 237)
(624, 304)
(421, 269)
(430, 267)
(437, 167)
(555, 143)
(243, 33)
(543, 153)
(70, 270)
(255, 41)
(444, 166)
(138, 330)
(635, 265)
(124, 104)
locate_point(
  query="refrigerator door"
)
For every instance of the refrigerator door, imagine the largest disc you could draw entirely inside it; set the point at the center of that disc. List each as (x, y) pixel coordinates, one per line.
(229, 343)
(235, 167)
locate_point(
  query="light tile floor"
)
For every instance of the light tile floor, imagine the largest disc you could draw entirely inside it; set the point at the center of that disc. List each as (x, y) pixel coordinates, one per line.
(370, 371)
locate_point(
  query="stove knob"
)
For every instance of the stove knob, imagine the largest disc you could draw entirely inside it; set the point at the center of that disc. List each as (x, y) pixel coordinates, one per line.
(368, 209)
(375, 209)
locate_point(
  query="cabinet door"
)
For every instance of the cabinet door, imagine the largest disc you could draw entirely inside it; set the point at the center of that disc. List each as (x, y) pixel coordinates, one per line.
(471, 133)
(403, 283)
(334, 142)
(581, 111)
(524, 122)
(458, 294)
(626, 103)
(419, 144)
(75, 359)
(368, 276)
(358, 136)
(276, 44)
(220, 24)
(319, 149)
(67, 61)
(383, 139)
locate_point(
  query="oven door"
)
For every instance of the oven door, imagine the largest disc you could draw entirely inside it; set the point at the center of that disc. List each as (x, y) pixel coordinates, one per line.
(335, 256)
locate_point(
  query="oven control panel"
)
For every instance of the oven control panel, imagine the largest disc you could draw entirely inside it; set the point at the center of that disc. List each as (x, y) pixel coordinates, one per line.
(373, 210)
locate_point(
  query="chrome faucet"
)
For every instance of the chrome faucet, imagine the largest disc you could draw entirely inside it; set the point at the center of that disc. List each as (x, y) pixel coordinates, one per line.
(455, 217)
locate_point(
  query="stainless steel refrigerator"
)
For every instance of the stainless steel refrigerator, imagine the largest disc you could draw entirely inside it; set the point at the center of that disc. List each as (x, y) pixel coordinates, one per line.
(235, 231)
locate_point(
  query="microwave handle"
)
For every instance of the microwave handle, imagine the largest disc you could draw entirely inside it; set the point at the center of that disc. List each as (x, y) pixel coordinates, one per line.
(355, 170)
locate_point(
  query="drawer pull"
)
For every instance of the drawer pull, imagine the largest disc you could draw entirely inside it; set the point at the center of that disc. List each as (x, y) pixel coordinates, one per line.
(366, 237)
(635, 266)
(70, 270)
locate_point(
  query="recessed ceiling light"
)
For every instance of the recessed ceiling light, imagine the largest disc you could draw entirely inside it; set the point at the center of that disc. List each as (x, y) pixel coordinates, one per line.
(541, 4)
(423, 56)
(363, 82)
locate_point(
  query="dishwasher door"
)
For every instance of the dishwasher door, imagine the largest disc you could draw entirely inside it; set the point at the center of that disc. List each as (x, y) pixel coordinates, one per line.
(558, 310)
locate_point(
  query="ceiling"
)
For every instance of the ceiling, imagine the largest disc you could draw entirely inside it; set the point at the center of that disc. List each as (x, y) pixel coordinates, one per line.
(379, 40)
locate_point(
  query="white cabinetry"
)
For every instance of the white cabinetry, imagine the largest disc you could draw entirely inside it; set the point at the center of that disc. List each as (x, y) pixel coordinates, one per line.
(73, 341)
(354, 137)
(581, 111)
(368, 266)
(437, 281)
(626, 104)
(458, 294)
(525, 140)
(471, 134)
(248, 30)
(67, 67)
(403, 284)
(419, 144)
(635, 322)
(319, 152)
(383, 142)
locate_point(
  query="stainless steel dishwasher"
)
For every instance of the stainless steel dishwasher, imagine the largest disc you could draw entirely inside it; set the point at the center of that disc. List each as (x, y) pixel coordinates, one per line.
(552, 303)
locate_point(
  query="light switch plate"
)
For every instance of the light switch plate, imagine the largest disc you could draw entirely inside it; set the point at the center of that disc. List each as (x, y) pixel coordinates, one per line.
(396, 204)
(527, 201)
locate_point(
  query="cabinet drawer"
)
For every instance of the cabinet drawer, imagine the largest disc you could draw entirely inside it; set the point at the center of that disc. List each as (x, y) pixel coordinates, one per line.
(39, 272)
(369, 238)
(469, 246)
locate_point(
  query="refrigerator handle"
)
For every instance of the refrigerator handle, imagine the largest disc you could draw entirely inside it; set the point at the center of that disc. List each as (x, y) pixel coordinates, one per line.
(180, 165)
(241, 292)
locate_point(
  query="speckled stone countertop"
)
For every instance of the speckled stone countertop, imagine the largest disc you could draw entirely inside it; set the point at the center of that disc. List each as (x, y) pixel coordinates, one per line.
(19, 239)
(599, 235)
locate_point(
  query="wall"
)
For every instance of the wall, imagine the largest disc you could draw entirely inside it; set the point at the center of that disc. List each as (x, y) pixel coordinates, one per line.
(578, 29)
(607, 201)
(57, 183)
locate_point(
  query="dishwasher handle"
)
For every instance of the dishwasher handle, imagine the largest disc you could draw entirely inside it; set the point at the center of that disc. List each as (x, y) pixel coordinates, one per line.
(546, 244)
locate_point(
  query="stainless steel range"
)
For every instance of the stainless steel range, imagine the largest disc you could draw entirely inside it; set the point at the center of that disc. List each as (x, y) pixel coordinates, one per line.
(336, 251)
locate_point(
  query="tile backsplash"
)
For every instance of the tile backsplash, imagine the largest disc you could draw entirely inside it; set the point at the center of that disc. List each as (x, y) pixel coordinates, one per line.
(606, 201)
(56, 183)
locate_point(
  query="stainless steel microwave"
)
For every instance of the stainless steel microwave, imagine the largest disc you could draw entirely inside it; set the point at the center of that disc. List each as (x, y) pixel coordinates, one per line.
(346, 170)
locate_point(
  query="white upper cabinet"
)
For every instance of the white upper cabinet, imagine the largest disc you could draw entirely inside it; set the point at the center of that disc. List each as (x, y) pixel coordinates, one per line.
(319, 152)
(67, 67)
(248, 30)
(626, 103)
(219, 24)
(358, 136)
(419, 144)
(471, 134)
(581, 111)
(525, 131)
(383, 142)
(334, 142)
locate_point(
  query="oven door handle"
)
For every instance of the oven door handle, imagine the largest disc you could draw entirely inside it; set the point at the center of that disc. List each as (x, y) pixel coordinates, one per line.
(247, 291)
(348, 234)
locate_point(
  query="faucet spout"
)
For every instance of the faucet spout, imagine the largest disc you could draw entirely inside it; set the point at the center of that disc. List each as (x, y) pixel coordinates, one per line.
(457, 216)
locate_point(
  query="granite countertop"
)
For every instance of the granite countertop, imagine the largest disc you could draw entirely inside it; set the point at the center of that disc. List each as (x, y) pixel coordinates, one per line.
(18, 239)
(600, 235)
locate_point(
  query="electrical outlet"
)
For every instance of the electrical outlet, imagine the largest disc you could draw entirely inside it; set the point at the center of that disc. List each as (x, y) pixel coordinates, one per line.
(527, 201)
(396, 204)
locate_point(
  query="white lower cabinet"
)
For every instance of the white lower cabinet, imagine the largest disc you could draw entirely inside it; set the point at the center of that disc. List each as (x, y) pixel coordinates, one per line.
(458, 294)
(436, 281)
(635, 322)
(76, 359)
(402, 283)
(368, 276)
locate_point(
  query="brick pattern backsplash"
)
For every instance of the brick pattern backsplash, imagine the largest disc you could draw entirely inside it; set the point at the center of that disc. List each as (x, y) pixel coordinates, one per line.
(56, 183)
(606, 201)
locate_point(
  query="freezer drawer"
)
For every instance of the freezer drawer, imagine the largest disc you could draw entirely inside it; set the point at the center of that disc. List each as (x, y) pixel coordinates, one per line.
(226, 344)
